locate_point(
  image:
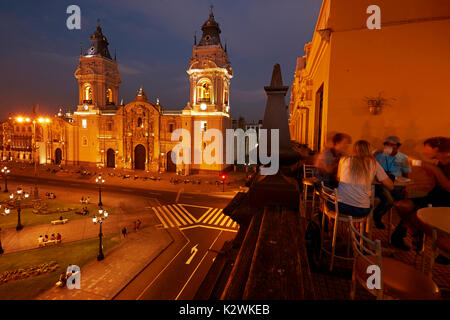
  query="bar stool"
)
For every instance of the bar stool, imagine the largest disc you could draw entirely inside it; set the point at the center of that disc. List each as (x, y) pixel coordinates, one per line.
(309, 180)
(330, 209)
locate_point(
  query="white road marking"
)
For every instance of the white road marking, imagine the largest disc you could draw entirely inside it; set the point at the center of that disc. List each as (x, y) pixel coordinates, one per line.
(194, 251)
(195, 270)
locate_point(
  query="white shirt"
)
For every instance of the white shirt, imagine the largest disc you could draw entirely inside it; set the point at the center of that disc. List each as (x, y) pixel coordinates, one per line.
(356, 194)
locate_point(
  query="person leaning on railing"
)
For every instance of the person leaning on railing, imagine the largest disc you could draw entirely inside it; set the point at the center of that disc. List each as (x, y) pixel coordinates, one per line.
(436, 152)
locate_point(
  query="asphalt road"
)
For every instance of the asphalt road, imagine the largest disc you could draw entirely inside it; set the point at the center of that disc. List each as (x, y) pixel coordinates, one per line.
(163, 196)
(177, 272)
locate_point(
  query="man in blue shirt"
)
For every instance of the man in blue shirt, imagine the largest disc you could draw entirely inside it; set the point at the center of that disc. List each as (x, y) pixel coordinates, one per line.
(395, 164)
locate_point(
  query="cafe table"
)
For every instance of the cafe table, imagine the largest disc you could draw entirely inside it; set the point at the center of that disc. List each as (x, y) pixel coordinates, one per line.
(438, 218)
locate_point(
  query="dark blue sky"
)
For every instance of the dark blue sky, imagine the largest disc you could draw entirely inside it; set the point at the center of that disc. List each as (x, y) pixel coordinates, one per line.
(154, 40)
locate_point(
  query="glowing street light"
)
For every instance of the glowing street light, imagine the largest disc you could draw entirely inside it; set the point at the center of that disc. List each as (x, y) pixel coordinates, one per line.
(5, 172)
(102, 215)
(100, 181)
(19, 196)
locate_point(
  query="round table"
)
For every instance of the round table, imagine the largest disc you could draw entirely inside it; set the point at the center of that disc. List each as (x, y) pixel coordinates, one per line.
(436, 217)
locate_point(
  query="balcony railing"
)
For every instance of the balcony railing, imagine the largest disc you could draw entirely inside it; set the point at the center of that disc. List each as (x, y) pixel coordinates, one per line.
(204, 100)
(87, 101)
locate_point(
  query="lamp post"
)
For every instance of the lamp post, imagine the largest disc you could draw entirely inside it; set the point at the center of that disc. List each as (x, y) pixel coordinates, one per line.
(5, 172)
(100, 181)
(102, 215)
(18, 197)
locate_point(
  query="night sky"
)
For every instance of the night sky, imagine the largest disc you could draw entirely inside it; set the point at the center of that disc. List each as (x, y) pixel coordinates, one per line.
(153, 40)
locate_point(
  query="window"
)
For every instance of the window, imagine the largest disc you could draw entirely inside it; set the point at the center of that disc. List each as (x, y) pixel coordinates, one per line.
(109, 126)
(204, 90)
(87, 93)
(171, 127)
(140, 124)
(84, 123)
(109, 97)
(84, 141)
(204, 125)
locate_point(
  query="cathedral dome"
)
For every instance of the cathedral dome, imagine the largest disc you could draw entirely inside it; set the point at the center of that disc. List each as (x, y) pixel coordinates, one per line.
(211, 32)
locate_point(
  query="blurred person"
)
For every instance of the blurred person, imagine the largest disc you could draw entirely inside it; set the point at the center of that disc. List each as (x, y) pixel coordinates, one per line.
(356, 174)
(328, 160)
(436, 162)
(395, 164)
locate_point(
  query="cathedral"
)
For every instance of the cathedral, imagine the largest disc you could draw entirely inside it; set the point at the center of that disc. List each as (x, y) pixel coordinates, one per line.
(136, 135)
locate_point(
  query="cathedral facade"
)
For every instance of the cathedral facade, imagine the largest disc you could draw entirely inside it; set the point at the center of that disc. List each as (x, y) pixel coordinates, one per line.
(137, 135)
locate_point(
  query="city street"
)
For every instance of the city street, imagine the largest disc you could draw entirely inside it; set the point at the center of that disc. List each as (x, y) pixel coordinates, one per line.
(195, 223)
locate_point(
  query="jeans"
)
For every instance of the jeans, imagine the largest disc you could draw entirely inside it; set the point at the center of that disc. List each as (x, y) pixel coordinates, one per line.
(353, 211)
(387, 199)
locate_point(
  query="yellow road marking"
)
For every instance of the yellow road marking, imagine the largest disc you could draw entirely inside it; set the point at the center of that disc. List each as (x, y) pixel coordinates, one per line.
(160, 219)
(188, 213)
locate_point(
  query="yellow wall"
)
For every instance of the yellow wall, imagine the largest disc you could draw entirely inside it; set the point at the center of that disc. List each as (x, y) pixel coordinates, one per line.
(407, 61)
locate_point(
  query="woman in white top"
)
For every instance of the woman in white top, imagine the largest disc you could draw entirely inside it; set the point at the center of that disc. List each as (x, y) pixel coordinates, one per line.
(356, 174)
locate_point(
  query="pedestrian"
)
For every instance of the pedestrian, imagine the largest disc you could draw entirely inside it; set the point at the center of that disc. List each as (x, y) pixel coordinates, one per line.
(82, 199)
(135, 226)
(139, 223)
(88, 200)
(58, 237)
(46, 238)
(124, 232)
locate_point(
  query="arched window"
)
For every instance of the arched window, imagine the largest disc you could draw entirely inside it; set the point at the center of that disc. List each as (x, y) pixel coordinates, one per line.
(204, 90)
(109, 97)
(87, 93)
(140, 124)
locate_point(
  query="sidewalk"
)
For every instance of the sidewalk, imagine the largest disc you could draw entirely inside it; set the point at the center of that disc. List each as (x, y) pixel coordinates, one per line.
(102, 280)
(76, 230)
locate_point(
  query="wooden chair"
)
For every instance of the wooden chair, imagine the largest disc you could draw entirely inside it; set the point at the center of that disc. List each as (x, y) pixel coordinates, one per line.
(329, 204)
(397, 280)
(309, 180)
(440, 245)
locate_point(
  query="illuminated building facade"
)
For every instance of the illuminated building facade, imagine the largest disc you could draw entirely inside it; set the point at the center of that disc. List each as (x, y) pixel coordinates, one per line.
(374, 83)
(138, 135)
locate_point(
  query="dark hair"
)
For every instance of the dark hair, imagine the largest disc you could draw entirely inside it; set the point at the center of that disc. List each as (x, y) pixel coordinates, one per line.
(339, 137)
(442, 143)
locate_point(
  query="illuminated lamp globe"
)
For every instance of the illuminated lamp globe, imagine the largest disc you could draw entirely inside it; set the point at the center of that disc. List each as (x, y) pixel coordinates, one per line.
(203, 106)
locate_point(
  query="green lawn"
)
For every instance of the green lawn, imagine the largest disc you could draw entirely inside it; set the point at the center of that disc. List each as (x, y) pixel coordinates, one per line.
(28, 218)
(78, 253)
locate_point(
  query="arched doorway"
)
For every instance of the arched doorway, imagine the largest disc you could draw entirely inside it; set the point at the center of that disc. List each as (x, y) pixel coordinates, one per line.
(58, 156)
(171, 166)
(111, 158)
(139, 157)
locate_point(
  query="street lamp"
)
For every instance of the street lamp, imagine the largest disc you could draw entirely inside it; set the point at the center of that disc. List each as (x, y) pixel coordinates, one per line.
(102, 215)
(42, 121)
(18, 197)
(5, 172)
(100, 181)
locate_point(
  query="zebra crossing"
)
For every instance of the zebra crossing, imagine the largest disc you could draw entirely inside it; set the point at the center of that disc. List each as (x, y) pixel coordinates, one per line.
(176, 216)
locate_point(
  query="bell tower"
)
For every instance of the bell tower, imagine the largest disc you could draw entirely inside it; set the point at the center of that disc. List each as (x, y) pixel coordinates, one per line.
(210, 71)
(98, 76)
